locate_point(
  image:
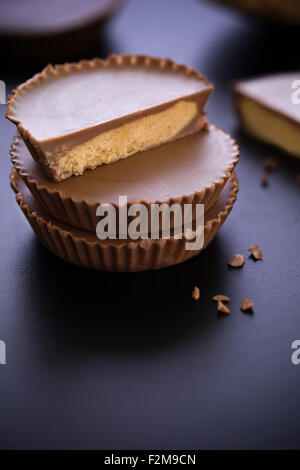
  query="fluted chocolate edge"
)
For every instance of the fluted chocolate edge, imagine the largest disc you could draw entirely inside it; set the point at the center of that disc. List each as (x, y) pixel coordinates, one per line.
(127, 256)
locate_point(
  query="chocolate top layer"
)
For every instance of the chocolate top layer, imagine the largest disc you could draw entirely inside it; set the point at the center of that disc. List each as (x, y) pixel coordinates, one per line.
(36, 17)
(171, 171)
(274, 92)
(68, 99)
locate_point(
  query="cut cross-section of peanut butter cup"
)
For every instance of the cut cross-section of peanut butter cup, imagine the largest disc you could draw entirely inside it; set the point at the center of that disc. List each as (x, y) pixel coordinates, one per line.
(192, 170)
(79, 116)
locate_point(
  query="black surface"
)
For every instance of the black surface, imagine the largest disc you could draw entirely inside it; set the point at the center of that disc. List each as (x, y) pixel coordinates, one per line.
(99, 360)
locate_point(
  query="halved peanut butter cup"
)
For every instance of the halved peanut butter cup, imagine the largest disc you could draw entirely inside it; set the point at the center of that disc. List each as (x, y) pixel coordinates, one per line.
(192, 170)
(78, 116)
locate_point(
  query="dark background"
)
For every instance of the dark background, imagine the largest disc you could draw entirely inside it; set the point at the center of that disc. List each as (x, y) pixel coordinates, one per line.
(120, 361)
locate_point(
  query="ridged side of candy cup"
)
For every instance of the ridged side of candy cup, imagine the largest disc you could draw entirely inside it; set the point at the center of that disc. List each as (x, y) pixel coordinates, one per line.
(85, 249)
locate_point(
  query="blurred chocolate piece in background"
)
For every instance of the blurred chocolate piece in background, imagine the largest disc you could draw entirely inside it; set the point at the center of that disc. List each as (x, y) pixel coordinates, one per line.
(282, 11)
(269, 109)
(56, 30)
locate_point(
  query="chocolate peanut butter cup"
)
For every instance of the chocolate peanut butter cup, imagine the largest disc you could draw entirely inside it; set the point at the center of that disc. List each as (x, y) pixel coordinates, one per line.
(269, 109)
(192, 170)
(38, 31)
(78, 116)
(85, 249)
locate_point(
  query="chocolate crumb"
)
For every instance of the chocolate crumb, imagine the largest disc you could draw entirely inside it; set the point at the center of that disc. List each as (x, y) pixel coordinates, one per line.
(247, 305)
(223, 308)
(265, 179)
(255, 252)
(271, 163)
(237, 261)
(222, 298)
(196, 293)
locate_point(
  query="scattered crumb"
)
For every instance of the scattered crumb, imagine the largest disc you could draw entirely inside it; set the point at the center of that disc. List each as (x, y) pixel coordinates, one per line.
(265, 179)
(237, 261)
(271, 163)
(255, 252)
(223, 308)
(196, 293)
(221, 298)
(298, 178)
(247, 305)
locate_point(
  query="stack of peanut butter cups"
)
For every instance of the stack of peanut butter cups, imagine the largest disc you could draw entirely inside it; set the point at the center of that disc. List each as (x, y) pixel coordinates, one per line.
(128, 133)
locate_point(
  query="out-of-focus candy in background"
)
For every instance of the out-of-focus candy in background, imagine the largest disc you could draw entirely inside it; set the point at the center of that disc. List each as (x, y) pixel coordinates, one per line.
(269, 109)
(283, 11)
(56, 30)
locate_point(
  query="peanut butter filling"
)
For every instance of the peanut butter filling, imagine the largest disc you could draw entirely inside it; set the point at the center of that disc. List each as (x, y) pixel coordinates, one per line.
(128, 139)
